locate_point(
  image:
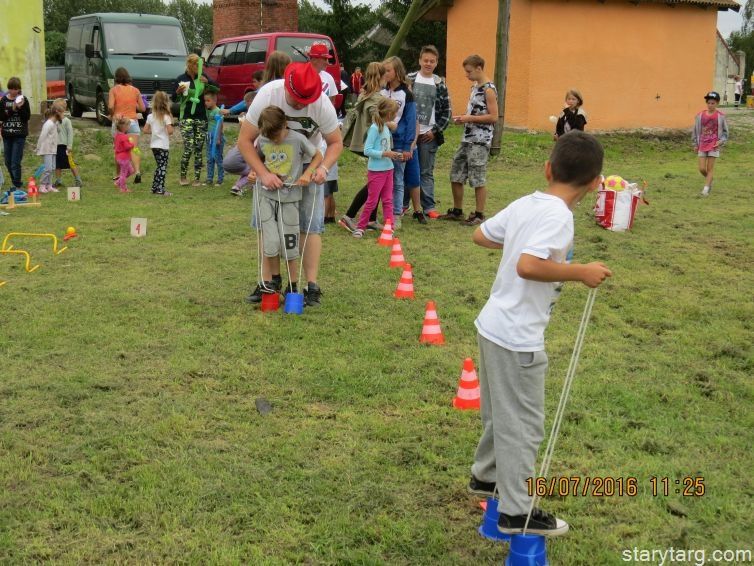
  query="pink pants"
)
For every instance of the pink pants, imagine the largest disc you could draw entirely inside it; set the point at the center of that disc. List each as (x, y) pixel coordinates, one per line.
(125, 170)
(379, 187)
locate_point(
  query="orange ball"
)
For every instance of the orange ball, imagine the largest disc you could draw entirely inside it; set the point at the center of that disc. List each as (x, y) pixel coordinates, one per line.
(70, 230)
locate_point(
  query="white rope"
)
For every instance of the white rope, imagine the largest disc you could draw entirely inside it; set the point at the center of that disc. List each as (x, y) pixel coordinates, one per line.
(560, 412)
(309, 227)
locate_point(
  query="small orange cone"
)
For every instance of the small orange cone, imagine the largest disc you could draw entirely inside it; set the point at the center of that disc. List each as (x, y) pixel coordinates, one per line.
(396, 255)
(431, 331)
(468, 387)
(386, 238)
(405, 288)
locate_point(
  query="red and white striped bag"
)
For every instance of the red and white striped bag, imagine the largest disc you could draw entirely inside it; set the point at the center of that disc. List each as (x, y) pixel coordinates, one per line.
(616, 204)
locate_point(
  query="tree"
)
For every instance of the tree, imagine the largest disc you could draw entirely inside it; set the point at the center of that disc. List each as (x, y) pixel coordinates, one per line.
(343, 22)
(195, 18)
(54, 48)
(744, 41)
(421, 32)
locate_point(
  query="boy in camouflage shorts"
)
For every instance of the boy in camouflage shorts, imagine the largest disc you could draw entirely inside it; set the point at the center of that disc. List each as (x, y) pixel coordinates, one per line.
(470, 160)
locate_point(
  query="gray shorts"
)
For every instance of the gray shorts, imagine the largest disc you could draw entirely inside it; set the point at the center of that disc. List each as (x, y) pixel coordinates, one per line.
(280, 227)
(470, 163)
(713, 153)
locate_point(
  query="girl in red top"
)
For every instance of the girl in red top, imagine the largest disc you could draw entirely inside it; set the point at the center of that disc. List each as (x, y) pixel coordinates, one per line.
(123, 146)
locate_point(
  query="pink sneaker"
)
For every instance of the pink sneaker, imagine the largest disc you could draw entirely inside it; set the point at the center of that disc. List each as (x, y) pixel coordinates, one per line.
(43, 189)
(125, 191)
(51, 189)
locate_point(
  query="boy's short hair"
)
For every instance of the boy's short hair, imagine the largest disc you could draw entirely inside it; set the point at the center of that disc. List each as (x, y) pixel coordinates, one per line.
(14, 83)
(211, 94)
(257, 75)
(429, 49)
(272, 120)
(474, 61)
(576, 159)
(248, 97)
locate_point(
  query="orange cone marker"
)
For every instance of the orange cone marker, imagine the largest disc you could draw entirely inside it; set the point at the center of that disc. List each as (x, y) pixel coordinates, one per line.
(468, 387)
(386, 238)
(396, 255)
(431, 331)
(405, 288)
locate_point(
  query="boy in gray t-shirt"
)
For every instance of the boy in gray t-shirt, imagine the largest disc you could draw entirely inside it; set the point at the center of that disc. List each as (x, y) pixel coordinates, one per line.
(284, 153)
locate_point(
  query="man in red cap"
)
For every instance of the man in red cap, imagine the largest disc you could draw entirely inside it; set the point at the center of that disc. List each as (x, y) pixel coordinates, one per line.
(299, 95)
(319, 57)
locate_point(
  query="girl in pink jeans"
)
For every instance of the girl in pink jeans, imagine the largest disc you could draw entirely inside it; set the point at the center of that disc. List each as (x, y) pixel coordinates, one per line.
(123, 148)
(378, 148)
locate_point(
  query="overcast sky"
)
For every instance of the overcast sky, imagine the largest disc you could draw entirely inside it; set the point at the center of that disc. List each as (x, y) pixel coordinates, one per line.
(727, 21)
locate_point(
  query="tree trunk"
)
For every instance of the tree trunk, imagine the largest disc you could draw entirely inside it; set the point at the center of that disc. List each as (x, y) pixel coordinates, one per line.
(408, 21)
(501, 69)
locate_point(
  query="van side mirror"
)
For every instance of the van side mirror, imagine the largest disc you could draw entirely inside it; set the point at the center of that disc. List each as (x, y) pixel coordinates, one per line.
(89, 51)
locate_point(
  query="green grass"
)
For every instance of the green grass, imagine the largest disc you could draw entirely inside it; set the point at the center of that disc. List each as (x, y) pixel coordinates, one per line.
(130, 370)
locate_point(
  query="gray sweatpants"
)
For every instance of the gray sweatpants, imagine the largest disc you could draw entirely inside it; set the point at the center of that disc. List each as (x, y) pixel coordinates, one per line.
(513, 418)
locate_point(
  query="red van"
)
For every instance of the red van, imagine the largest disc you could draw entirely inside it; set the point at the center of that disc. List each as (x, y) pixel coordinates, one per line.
(233, 60)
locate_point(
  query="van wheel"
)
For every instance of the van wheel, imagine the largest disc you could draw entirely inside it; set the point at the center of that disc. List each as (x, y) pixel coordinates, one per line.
(100, 109)
(76, 109)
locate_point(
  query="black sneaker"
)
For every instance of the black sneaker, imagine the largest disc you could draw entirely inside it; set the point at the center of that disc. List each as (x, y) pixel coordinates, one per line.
(312, 295)
(420, 218)
(265, 287)
(541, 523)
(290, 288)
(474, 219)
(452, 214)
(481, 488)
(137, 179)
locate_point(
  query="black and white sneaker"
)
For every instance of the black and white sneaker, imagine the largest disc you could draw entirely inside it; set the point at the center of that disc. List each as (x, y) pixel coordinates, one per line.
(265, 287)
(541, 523)
(481, 488)
(312, 295)
(420, 218)
(137, 179)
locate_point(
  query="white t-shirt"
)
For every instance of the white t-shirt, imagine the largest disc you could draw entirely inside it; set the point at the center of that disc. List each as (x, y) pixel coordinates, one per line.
(328, 84)
(311, 120)
(425, 94)
(160, 137)
(518, 310)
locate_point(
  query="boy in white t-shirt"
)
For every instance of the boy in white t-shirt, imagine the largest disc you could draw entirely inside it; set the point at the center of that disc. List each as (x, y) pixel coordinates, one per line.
(535, 233)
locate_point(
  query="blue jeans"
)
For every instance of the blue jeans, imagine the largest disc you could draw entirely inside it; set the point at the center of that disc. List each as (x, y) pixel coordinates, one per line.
(14, 153)
(215, 157)
(427, 152)
(399, 186)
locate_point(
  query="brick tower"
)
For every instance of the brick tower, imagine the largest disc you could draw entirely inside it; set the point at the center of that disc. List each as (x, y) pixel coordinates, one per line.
(242, 17)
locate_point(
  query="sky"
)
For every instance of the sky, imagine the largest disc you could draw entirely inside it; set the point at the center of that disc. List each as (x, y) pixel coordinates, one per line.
(727, 21)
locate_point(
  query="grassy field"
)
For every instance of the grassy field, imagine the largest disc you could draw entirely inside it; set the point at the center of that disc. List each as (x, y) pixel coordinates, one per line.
(130, 370)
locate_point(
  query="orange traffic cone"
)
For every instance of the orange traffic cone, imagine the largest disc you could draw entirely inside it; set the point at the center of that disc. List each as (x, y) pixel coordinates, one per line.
(396, 255)
(468, 387)
(431, 331)
(386, 238)
(405, 288)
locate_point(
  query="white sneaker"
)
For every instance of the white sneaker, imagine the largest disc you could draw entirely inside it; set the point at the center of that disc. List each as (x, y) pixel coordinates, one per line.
(357, 233)
(705, 191)
(51, 189)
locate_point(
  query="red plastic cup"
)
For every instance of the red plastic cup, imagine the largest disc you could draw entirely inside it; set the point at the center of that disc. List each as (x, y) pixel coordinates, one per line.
(270, 302)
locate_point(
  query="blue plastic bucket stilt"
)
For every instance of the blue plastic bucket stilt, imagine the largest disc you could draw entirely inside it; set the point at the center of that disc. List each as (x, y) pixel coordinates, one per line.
(488, 528)
(294, 303)
(527, 550)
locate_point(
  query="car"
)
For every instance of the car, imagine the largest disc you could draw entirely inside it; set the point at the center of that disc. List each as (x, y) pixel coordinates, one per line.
(233, 60)
(152, 48)
(55, 82)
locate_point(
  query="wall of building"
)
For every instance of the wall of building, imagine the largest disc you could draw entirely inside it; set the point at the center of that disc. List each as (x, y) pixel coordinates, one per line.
(629, 79)
(243, 17)
(22, 51)
(727, 65)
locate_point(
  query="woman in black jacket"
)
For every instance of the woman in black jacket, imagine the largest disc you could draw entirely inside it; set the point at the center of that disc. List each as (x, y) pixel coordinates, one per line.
(188, 91)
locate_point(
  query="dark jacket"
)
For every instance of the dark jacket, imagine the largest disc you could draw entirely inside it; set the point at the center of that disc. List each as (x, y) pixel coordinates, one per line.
(199, 113)
(575, 121)
(14, 121)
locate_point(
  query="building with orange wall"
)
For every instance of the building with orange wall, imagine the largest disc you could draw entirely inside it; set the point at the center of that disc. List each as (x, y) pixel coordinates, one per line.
(637, 64)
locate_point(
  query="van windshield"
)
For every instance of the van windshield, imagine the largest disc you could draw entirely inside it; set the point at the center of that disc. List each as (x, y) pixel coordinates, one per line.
(144, 39)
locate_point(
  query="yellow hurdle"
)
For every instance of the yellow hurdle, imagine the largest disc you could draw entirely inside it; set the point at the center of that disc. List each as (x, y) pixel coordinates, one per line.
(6, 247)
(28, 267)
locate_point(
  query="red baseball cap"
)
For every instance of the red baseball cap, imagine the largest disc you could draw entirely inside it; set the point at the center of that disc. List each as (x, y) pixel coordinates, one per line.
(302, 82)
(319, 51)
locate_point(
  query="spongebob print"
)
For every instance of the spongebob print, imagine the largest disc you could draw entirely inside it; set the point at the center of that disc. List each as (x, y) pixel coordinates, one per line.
(279, 159)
